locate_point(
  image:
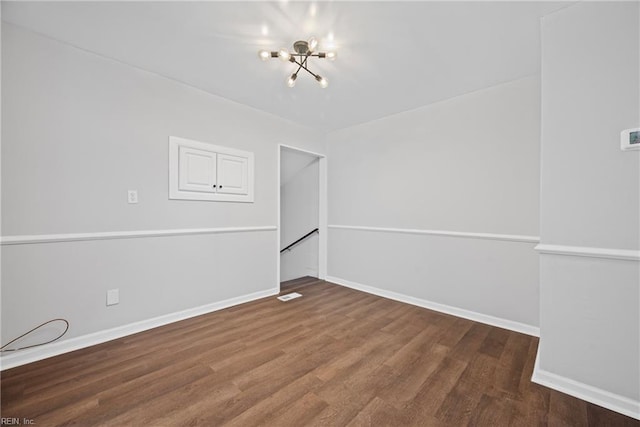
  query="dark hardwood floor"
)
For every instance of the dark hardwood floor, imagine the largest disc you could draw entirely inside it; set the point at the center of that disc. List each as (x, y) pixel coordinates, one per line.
(334, 357)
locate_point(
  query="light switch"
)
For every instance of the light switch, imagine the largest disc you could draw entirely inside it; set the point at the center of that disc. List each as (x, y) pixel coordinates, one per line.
(113, 296)
(132, 196)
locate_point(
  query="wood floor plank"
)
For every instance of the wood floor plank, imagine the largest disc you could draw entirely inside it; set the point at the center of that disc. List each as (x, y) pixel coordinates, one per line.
(453, 330)
(417, 345)
(471, 341)
(265, 411)
(434, 391)
(378, 413)
(260, 391)
(351, 357)
(598, 417)
(410, 378)
(458, 406)
(495, 342)
(182, 404)
(334, 357)
(491, 411)
(347, 398)
(119, 399)
(511, 364)
(300, 413)
(535, 397)
(73, 412)
(566, 411)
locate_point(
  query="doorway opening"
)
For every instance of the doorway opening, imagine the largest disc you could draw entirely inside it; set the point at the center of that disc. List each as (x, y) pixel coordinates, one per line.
(301, 217)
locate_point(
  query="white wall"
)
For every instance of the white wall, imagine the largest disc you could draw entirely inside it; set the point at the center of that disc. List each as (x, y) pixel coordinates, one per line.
(590, 202)
(78, 131)
(299, 199)
(469, 165)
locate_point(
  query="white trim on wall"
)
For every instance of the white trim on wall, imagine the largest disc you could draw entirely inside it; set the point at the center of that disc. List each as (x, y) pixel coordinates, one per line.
(584, 251)
(11, 360)
(585, 392)
(486, 236)
(108, 235)
(442, 308)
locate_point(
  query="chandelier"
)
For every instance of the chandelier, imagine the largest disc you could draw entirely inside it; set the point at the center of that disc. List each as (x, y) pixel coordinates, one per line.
(302, 51)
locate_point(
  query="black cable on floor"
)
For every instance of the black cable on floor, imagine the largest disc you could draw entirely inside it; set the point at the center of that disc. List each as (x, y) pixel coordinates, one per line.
(2, 349)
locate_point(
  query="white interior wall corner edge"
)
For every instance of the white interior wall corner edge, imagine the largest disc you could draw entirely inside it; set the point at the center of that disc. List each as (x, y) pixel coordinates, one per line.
(14, 359)
(595, 395)
(589, 294)
(441, 308)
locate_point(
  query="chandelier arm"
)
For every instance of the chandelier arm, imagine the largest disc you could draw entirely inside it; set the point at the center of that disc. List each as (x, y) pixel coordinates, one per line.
(303, 63)
(310, 72)
(305, 68)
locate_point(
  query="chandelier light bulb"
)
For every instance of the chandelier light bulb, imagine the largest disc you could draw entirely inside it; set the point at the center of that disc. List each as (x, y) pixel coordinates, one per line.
(313, 43)
(331, 56)
(313, 9)
(291, 81)
(322, 81)
(284, 55)
(264, 54)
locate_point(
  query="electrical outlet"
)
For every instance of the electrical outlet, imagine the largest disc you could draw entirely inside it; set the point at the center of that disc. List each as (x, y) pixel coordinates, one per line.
(113, 296)
(132, 196)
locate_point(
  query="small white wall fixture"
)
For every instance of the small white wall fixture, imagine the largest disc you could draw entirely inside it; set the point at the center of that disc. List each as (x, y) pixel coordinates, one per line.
(203, 171)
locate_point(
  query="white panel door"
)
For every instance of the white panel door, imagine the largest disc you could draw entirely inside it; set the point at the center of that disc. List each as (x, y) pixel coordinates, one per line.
(197, 170)
(233, 176)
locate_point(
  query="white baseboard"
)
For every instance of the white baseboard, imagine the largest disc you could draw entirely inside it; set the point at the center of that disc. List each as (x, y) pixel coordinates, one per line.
(11, 360)
(614, 402)
(442, 308)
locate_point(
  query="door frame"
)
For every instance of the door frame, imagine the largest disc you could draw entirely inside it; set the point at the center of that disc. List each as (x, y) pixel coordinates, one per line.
(322, 211)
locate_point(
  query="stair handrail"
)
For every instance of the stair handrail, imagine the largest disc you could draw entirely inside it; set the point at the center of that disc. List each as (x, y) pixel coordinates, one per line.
(315, 230)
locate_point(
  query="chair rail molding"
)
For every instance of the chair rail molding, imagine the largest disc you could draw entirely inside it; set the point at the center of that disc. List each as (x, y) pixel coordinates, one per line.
(590, 252)
(461, 234)
(109, 235)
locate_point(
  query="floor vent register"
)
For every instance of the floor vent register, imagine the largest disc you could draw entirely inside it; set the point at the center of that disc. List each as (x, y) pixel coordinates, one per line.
(287, 297)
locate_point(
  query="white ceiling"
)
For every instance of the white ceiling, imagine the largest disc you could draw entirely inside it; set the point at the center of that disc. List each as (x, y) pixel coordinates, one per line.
(392, 56)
